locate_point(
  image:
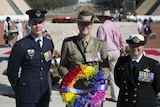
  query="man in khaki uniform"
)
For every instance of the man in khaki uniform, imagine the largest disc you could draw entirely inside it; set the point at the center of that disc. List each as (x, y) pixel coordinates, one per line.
(83, 49)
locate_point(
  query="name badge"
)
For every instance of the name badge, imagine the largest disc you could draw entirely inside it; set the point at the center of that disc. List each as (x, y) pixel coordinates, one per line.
(91, 57)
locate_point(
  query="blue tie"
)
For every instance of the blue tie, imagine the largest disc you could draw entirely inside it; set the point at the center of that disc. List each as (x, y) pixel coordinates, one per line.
(134, 63)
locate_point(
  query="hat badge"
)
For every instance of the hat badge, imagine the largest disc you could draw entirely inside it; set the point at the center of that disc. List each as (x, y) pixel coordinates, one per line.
(136, 40)
(38, 13)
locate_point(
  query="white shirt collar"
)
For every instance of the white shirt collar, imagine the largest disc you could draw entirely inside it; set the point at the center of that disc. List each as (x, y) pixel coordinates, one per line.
(138, 59)
(36, 39)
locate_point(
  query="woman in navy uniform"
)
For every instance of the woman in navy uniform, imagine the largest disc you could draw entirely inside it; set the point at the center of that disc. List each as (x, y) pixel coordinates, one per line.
(32, 57)
(137, 76)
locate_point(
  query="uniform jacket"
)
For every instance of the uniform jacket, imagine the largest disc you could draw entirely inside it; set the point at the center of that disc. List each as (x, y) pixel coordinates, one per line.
(71, 56)
(133, 91)
(28, 57)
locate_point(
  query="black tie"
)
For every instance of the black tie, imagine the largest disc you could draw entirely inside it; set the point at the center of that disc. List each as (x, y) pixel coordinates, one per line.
(38, 42)
(134, 63)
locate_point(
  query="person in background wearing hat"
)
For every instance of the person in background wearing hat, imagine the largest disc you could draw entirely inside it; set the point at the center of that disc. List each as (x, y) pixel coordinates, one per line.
(33, 55)
(18, 27)
(75, 49)
(112, 34)
(137, 76)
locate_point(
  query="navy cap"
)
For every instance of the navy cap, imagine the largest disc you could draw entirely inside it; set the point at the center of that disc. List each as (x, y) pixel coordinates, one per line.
(36, 15)
(136, 39)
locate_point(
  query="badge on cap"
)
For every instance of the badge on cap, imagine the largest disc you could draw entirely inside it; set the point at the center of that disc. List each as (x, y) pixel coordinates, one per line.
(136, 39)
(38, 13)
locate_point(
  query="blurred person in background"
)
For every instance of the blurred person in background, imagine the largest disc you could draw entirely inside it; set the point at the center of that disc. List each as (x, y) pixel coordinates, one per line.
(111, 33)
(140, 25)
(7, 28)
(19, 28)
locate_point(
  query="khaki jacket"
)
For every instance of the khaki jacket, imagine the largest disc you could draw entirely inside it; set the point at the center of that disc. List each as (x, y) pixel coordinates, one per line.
(72, 54)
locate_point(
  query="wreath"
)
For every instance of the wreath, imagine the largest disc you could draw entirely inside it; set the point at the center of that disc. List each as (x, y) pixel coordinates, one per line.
(90, 97)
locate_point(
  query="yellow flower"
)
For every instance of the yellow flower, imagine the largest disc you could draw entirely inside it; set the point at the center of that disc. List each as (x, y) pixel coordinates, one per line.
(69, 97)
(89, 72)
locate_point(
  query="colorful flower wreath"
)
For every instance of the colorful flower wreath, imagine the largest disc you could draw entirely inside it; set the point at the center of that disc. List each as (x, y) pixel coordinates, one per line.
(91, 97)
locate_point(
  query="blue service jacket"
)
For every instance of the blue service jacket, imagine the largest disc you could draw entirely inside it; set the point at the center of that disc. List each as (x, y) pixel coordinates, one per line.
(29, 58)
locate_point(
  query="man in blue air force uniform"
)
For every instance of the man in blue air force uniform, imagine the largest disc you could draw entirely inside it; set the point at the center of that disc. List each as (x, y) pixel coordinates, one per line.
(137, 76)
(32, 55)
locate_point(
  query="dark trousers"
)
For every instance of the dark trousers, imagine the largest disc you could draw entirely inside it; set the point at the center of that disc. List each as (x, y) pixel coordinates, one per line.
(43, 102)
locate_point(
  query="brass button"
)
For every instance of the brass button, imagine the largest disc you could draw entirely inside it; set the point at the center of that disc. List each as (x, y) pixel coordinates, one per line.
(126, 93)
(41, 53)
(126, 99)
(41, 60)
(125, 82)
(138, 83)
(24, 83)
(135, 89)
(126, 87)
(41, 68)
(134, 101)
(41, 78)
(135, 95)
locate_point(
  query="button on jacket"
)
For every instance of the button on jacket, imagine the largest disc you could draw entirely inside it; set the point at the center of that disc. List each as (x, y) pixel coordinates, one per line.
(33, 82)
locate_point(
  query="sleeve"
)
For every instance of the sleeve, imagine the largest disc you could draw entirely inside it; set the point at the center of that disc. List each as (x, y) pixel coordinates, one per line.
(122, 41)
(156, 81)
(101, 33)
(104, 65)
(14, 64)
(63, 70)
(116, 73)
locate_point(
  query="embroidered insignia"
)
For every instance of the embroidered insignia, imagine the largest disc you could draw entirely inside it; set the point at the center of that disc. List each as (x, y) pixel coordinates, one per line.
(31, 53)
(147, 70)
(136, 40)
(38, 13)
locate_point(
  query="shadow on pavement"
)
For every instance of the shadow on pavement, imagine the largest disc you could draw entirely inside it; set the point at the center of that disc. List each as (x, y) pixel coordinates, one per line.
(3, 58)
